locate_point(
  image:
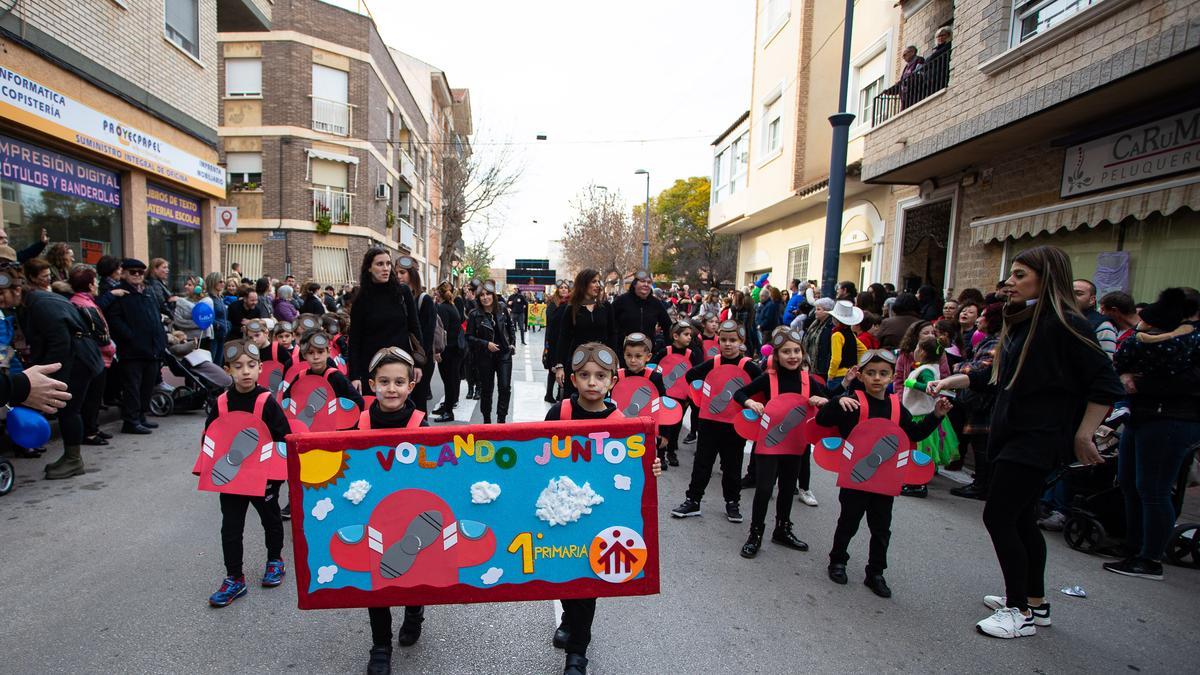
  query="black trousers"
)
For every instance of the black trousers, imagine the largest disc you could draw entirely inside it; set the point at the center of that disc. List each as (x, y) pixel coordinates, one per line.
(420, 395)
(139, 376)
(114, 382)
(672, 432)
(91, 405)
(70, 417)
(451, 371)
(577, 618)
(469, 369)
(233, 525)
(494, 369)
(381, 622)
(1010, 516)
(767, 469)
(804, 473)
(717, 439)
(983, 463)
(520, 320)
(878, 509)
(552, 382)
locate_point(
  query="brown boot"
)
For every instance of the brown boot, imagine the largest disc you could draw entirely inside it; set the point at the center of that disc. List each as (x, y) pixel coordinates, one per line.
(68, 466)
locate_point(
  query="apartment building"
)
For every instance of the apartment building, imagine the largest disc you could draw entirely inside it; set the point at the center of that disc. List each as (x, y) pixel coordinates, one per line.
(1067, 123)
(108, 128)
(326, 135)
(771, 166)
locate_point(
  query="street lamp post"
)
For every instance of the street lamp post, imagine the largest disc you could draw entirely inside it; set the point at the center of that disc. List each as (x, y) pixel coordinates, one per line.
(837, 167)
(646, 235)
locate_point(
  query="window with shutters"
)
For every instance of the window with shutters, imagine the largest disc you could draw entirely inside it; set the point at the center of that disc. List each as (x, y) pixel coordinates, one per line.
(244, 170)
(867, 81)
(243, 78)
(182, 25)
(330, 100)
(797, 263)
(249, 258)
(331, 265)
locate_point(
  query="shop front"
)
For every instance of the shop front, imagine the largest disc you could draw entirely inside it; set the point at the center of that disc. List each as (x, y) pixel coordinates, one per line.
(173, 220)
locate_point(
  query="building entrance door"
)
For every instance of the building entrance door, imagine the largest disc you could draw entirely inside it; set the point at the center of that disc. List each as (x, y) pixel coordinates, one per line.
(925, 245)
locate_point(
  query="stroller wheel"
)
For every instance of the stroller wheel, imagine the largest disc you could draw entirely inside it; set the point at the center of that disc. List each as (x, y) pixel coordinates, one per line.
(8, 477)
(1084, 533)
(161, 404)
(1183, 548)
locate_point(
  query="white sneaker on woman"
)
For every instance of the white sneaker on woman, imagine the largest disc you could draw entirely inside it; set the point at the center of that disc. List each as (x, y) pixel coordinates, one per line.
(808, 497)
(1041, 613)
(1007, 622)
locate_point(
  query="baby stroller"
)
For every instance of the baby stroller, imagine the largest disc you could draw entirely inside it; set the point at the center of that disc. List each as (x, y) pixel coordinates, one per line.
(191, 381)
(1096, 518)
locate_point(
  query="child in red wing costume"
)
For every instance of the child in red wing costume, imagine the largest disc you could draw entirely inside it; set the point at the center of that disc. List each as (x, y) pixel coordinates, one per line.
(673, 363)
(779, 452)
(649, 394)
(877, 456)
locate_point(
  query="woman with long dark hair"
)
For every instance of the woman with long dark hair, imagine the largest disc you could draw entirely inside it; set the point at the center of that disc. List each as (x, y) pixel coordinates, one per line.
(409, 274)
(587, 317)
(554, 310)
(383, 315)
(450, 367)
(931, 302)
(490, 332)
(1053, 387)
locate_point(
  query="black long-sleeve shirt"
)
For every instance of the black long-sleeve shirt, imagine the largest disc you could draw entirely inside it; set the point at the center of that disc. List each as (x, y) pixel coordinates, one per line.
(384, 315)
(337, 381)
(586, 325)
(272, 413)
(393, 420)
(789, 383)
(654, 377)
(832, 415)
(701, 371)
(554, 414)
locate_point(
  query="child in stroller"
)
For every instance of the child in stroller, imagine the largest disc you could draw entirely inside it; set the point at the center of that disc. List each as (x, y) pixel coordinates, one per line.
(191, 380)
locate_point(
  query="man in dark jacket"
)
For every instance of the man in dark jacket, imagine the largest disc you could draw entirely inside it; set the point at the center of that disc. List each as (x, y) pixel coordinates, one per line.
(247, 307)
(518, 308)
(330, 299)
(137, 329)
(310, 303)
(638, 311)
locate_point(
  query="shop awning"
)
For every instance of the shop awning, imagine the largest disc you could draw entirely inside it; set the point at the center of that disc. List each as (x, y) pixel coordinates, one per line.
(331, 156)
(1164, 197)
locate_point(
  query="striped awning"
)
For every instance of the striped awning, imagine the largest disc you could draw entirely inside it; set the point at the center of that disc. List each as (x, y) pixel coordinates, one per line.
(331, 156)
(1165, 197)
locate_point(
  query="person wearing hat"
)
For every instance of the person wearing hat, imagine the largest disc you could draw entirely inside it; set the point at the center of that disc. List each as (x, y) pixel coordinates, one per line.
(845, 349)
(1160, 370)
(138, 331)
(639, 311)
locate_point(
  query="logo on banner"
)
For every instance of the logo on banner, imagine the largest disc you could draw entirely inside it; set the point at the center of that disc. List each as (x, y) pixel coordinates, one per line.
(617, 554)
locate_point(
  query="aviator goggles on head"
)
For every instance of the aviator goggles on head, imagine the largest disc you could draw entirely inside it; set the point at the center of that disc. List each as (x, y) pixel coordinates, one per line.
(596, 353)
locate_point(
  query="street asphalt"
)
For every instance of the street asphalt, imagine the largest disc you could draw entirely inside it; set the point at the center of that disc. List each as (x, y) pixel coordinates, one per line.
(110, 573)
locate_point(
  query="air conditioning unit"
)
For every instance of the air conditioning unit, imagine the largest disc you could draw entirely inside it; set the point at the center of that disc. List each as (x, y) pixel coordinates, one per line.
(383, 191)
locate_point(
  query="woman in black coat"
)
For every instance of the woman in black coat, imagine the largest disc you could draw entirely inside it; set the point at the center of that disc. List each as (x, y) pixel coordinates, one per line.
(490, 335)
(1053, 387)
(409, 275)
(383, 315)
(450, 365)
(554, 311)
(587, 317)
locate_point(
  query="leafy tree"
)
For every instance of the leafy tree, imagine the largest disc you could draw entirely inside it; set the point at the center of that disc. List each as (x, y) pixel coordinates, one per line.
(479, 256)
(691, 252)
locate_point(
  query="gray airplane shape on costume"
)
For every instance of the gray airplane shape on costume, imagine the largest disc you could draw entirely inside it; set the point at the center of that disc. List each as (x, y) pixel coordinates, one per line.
(883, 450)
(244, 445)
(721, 400)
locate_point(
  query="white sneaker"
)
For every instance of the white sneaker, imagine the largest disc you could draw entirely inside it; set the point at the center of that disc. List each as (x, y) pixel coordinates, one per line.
(808, 497)
(1007, 622)
(1041, 613)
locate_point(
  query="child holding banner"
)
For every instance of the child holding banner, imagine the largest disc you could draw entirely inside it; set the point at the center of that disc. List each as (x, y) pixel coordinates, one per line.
(718, 438)
(243, 363)
(593, 374)
(391, 378)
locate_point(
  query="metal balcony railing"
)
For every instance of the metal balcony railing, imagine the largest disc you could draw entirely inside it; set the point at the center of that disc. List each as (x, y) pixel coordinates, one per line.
(929, 78)
(334, 204)
(331, 117)
(407, 236)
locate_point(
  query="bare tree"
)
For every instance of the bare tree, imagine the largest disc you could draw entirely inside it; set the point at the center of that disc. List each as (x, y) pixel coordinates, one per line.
(471, 183)
(601, 233)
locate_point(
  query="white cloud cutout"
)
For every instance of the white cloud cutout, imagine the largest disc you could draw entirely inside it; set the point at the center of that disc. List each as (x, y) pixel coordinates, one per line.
(492, 575)
(484, 492)
(322, 508)
(325, 574)
(622, 482)
(565, 502)
(357, 491)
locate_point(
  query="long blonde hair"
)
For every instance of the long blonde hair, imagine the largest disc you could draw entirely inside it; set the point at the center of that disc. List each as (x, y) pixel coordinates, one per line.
(1053, 268)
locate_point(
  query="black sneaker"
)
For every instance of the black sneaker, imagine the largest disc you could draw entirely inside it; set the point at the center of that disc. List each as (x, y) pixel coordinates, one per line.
(381, 661)
(733, 513)
(1137, 567)
(286, 512)
(914, 491)
(672, 458)
(687, 509)
(690, 438)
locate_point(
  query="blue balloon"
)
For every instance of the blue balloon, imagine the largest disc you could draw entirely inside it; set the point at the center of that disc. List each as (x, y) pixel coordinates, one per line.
(27, 428)
(202, 315)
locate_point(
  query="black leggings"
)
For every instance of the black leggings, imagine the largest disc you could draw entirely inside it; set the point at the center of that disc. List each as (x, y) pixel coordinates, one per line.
(494, 369)
(70, 417)
(233, 524)
(381, 622)
(717, 439)
(804, 473)
(766, 469)
(451, 369)
(91, 405)
(1010, 516)
(878, 510)
(577, 619)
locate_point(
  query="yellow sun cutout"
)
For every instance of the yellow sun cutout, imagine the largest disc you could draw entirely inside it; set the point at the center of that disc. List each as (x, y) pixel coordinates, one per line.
(321, 468)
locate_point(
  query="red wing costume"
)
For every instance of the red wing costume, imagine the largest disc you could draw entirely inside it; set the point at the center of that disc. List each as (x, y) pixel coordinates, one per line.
(237, 453)
(312, 402)
(878, 457)
(673, 369)
(636, 396)
(714, 396)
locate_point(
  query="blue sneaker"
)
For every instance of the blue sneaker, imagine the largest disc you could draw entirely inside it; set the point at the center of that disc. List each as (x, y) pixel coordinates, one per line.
(273, 576)
(231, 589)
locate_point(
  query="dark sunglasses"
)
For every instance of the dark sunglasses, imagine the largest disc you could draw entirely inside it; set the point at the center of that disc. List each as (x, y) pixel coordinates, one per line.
(136, 273)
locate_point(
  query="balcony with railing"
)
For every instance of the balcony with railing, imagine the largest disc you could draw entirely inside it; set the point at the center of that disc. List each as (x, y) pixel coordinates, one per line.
(925, 80)
(408, 236)
(331, 203)
(332, 117)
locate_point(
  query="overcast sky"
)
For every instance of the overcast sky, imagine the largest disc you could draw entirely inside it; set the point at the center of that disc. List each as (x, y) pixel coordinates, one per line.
(668, 75)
